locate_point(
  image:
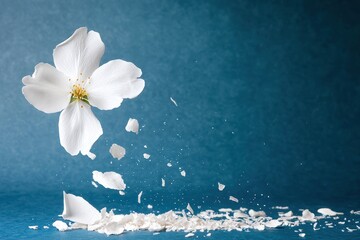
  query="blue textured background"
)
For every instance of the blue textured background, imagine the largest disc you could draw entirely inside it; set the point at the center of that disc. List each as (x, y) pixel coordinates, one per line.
(268, 95)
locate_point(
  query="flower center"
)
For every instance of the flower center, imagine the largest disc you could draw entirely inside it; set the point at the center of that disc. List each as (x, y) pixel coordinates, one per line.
(78, 93)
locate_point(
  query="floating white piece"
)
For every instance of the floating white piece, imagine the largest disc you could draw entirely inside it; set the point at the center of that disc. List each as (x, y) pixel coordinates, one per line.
(79, 210)
(45, 227)
(122, 193)
(287, 214)
(149, 206)
(221, 186)
(328, 212)
(255, 214)
(132, 126)
(234, 199)
(146, 156)
(189, 235)
(35, 227)
(117, 151)
(139, 197)
(280, 207)
(183, 173)
(60, 225)
(91, 155)
(355, 212)
(94, 184)
(308, 216)
(163, 182)
(208, 235)
(169, 164)
(302, 235)
(188, 207)
(174, 102)
(111, 180)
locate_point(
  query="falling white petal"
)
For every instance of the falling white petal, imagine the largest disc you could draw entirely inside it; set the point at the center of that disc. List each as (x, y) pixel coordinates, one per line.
(117, 151)
(163, 182)
(111, 180)
(113, 82)
(221, 186)
(47, 89)
(174, 102)
(234, 199)
(189, 208)
(80, 54)
(139, 197)
(60, 225)
(183, 173)
(132, 126)
(146, 156)
(78, 128)
(79, 210)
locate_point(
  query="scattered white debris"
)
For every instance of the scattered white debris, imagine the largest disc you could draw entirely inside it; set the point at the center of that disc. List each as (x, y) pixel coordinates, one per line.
(117, 151)
(221, 186)
(308, 216)
(173, 101)
(273, 224)
(328, 212)
(111, 180)
(146, 156)
(234, 199)
(287, 214)
(79, 210)
(255, 214)
(355, 212)
(91, 155)
(94, 184)
(122, 193)
(302, 235)
(60, 225)
(350, 229)
(35, 227)
(45, 227)
(183, 173)
(163, 182)
(189, 235)
(132, 126)
(169, 164)
(188, 207)
(139, 196)
(149, 206)
(280, 207)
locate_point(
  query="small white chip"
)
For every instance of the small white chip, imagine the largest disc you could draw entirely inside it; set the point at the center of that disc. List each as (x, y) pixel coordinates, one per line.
(35, 227)
(139, 197)
(221, 186)
(146, 156)
(188, 207)
(163, 182)
(183, 173)
(117, 151)
(132, 126)
(234, 199)
(174, 102)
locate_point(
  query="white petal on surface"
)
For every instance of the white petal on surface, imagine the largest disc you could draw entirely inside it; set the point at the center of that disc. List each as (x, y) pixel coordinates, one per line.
(117, 151)
(255, 214)
(111, 180)
(174, 102)
(113, 82)
(132, 126)
(163, 182)
(328, 212)
(234, 199)
(79, 210)
(78, 128)
(146, 156)
(302, 235)
(149, 206)
(94, 184)
(81, 53)
(122, 193)
(189, 235)
(91, 155)
(183, 173)
(139, 197)
(35, 227)
(47, 89)
(60, 225)
(189, 208)
(221, 186)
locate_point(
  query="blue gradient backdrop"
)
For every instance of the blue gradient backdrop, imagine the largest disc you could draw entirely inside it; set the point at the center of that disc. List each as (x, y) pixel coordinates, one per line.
(268, 95)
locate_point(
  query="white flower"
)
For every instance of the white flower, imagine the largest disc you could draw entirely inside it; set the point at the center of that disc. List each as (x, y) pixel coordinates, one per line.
(77, 83)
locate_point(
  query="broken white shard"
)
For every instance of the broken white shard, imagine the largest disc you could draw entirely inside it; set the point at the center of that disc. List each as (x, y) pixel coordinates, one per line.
(132, 126)
(355, 212)
(146, 156)
(328, 212)
(174, 102)
(149, 206)
(139, 197)
(122, 193)
(35, 227)
(117, 151)
(255, 214)
(111, 180)
(169, 164)
(183, 173)
(163, 182)
(91, 155)
(188, 207)
(208, 235)
(221, 186)
(94, 184)
(308, 216)
(60, 225)
(189, 235)
(302, 235)
(79, 210)
(234, 199)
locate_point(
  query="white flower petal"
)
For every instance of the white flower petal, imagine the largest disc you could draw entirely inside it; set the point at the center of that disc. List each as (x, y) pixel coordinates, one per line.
(47, 89)
(80, 54)
(78, 128)
(112, 82)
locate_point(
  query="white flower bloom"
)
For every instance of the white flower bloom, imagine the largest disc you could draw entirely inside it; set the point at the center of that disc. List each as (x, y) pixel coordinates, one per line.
(76, 83)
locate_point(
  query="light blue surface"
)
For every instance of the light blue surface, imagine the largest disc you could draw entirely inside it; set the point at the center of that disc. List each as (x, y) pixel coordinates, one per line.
(268, 95)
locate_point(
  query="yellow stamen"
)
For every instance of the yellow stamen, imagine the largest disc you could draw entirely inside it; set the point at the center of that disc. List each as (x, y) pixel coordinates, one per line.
(79, 92)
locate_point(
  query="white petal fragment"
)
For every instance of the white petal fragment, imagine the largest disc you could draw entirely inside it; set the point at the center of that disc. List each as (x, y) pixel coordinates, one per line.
(328, 212)
(302, 235)
(132, 126)
(139, 196)
(174, 102)
(149, 206)
(78, 128)
(234, 199)
(91, 155)
(163, 182)
(189, 208)
(122, 193)
(80, 54)
(308, 216)
(94, 184)
(111, 180)
(117, 151)
(256, 214)
(183, 173)
(169, 164)
(79, 210)
(113, 82)
(35, 227)
(47, 89)
(146, 156)
(60, 225)
(189, 235)
(221, 186)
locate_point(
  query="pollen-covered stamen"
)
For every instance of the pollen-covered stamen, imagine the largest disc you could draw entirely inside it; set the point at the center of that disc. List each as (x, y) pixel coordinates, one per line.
(78, 93)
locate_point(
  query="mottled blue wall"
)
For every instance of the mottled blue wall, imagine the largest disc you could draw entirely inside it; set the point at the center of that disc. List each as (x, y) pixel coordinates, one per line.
(268, 95)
